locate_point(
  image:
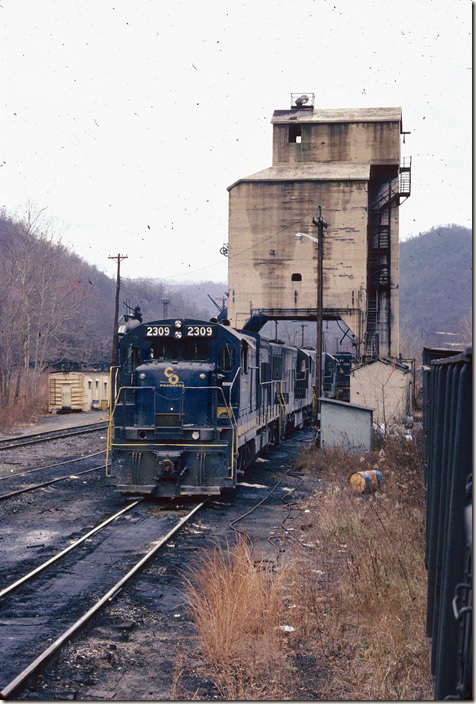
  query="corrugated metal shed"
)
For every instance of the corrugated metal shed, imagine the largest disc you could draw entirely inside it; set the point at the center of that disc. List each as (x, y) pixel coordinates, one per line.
(338, 171)
(338, 115)
(346, 425)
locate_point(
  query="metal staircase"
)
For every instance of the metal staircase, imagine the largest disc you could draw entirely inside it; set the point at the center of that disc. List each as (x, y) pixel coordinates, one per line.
(378, 262)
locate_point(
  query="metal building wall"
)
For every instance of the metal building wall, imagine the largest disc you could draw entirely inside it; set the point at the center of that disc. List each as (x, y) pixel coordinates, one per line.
(447, 386)
(346, 425)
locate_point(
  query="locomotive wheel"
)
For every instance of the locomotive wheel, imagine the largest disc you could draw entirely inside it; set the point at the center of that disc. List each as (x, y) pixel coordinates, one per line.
(274, 439)
(241, 461)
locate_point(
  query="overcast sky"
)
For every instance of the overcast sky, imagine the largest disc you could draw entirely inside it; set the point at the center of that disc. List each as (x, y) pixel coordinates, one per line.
(127, 121)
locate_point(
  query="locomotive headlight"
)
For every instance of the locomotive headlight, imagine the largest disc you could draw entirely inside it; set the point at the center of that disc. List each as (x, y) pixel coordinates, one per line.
(178, 334)
(196, 435)
(203, 376)
(178, 323)
(142, 375)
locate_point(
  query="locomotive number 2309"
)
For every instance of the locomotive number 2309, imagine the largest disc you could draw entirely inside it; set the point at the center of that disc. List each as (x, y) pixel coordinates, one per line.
(192, 331)
(199, 331)
(158, 331)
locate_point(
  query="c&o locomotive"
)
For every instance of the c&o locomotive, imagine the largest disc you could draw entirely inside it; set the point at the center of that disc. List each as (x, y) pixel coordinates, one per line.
(194, 402)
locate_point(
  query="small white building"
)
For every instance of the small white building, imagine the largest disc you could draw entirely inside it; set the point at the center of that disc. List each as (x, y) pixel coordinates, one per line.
(386, 385)
(78, 391)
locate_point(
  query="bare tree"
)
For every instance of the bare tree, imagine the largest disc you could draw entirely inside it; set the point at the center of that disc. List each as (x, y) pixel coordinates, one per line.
(411, 342)
(465, 329)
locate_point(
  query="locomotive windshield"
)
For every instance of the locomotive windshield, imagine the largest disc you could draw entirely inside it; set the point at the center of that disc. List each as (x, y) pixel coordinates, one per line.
(174, 350)
(163, 350)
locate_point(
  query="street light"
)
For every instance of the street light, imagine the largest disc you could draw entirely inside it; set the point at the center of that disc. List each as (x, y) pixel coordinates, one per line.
(300, 235)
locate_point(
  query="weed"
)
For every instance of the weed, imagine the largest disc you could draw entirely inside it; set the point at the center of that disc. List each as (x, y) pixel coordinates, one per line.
(237, 608)
(372, 602)
(352, 597)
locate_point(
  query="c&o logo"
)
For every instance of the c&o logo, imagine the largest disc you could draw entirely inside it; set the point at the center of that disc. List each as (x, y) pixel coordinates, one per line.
(172, 377)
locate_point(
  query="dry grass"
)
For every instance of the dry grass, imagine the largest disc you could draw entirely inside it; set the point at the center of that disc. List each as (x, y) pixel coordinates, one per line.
(30, 403)
(354, 591)
(237, 608)
(177, 675)
(365, 596)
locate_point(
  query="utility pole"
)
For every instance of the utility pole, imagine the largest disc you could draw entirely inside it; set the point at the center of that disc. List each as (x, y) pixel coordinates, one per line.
(118, 258)
(321, 224)
(165, 302)
(302, 326)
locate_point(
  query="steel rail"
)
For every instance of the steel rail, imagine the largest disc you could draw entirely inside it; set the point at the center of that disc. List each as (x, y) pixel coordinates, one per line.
(46, 654)
(50, 466)
(19, 441)
(40, 568)
(51, 481)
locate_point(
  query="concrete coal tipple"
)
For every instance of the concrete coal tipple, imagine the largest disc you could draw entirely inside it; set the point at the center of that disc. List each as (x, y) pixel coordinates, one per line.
(195, 402)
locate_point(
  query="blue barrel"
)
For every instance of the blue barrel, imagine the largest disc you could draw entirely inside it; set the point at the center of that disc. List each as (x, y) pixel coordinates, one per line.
(365, 482)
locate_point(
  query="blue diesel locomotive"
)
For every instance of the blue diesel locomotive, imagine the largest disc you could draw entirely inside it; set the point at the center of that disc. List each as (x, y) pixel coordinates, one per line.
(194, 402)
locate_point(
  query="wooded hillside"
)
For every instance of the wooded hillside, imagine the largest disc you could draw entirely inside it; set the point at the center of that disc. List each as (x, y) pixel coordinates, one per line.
(55, 307)
(436, 286)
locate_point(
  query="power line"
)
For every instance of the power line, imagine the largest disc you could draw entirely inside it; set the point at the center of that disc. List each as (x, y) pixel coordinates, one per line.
(207, 266)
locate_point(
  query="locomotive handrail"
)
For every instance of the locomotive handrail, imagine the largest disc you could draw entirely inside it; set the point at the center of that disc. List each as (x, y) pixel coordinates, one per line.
(282, 404)
(216, 388)
(112, 410)
(234, 444)
(111, 415)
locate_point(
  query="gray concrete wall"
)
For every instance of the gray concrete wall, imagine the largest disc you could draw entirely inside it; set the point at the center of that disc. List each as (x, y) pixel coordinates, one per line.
(268, 208)
(265, 216)
(366, 142)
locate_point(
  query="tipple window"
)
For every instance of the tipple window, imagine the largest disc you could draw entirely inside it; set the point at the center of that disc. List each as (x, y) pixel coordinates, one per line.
(295, 134)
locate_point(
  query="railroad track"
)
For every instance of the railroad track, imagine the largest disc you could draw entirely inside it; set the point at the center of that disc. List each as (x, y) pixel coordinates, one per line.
(32, 487)
(31, 470)
(44, 656)
(19, 441)
(65, 551)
